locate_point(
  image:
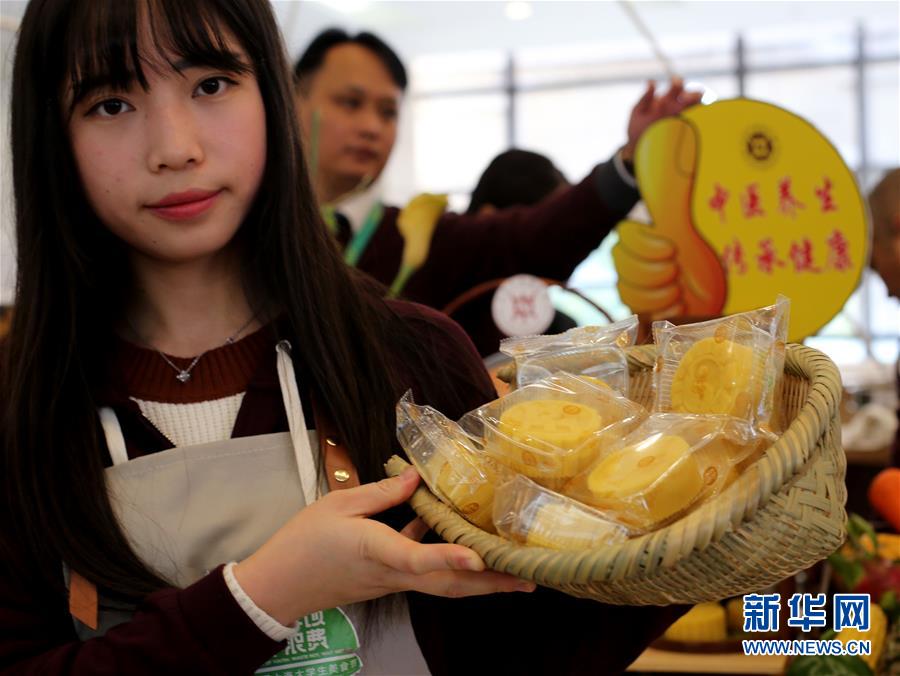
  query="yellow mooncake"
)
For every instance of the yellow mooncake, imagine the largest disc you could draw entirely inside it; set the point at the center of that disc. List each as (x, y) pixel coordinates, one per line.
(716, 375)
(650, 481)
(471, 493)
(596, 382)
(552, 437)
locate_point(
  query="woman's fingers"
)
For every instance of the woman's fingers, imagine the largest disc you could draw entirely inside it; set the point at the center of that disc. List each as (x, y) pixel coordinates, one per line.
(440, 569)
(456, 584)
(386, 546)
(378, 496)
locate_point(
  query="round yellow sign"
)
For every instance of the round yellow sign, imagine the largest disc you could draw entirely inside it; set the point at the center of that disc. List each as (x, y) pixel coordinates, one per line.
(747, 201)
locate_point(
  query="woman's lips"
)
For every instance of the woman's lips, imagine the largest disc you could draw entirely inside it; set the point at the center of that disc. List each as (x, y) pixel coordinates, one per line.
(184, 206)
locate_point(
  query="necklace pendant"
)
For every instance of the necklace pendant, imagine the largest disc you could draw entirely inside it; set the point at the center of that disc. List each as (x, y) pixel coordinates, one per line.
(183, 376)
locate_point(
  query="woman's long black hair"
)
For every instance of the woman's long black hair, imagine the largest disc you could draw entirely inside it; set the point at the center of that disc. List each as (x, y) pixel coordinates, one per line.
(72, 272)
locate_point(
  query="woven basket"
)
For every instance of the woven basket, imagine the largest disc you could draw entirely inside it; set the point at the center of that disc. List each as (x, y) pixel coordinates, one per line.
(782, 515)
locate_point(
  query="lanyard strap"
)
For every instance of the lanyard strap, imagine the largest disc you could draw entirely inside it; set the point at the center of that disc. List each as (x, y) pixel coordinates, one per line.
(361, 239)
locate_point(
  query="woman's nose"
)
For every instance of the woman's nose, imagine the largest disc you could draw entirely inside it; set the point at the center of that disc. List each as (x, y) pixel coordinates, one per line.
(173, 139)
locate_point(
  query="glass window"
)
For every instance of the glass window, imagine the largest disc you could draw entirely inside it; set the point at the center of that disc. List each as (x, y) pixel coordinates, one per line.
(883, 40)
(462, 71)
(578, 127)
(882, 82)
(454, 139)
(798, 44)
(580, 64)
(885, 310)
(826, 97)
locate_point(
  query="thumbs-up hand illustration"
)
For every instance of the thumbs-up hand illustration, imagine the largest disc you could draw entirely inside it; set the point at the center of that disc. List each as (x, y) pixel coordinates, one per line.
(667, 268)
(747, 201)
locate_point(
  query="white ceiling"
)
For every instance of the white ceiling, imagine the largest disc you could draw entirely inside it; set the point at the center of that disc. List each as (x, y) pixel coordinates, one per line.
(420, 27)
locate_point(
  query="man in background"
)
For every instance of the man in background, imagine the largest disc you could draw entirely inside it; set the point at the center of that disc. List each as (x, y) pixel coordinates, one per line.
(349, 90)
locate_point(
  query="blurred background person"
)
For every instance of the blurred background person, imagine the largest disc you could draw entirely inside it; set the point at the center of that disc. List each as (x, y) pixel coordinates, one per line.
(884, 203)
(513, 178)
(349, 90)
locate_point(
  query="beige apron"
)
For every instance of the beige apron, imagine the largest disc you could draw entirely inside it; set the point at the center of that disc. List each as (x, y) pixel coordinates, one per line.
(187, 510)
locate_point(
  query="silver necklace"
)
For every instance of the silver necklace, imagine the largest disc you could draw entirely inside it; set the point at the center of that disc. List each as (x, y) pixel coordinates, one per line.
(183, 375)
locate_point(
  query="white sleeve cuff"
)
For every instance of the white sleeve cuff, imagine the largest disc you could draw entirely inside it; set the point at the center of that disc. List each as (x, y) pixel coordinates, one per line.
(266, 623)
(623, 173)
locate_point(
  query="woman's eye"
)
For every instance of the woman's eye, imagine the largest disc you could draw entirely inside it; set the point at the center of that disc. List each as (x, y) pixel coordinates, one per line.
(213, 86)
(110, 108)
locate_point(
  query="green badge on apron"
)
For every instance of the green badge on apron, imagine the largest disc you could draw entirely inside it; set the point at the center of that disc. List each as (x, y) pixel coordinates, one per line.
(323, 646)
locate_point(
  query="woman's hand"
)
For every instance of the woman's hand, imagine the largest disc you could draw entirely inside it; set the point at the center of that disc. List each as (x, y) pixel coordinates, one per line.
(330, 554)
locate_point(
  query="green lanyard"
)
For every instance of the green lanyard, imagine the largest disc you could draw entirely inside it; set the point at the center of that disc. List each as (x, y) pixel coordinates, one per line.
(361, 239)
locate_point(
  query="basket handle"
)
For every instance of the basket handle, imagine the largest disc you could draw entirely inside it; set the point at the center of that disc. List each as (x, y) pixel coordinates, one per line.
(491, 285)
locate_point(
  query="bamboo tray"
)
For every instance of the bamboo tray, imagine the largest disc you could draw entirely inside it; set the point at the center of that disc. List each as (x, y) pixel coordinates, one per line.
(782, 515)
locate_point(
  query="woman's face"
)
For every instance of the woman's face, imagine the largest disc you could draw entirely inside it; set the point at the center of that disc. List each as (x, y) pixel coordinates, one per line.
(173, 170)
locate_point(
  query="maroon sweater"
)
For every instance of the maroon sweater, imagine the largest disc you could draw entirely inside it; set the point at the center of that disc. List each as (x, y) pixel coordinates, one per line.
(202, 630)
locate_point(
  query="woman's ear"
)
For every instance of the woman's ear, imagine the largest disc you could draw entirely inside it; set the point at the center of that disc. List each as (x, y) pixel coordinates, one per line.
(486, 209)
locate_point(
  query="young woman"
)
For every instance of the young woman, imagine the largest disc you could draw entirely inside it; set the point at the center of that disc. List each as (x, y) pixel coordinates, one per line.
(195, 386)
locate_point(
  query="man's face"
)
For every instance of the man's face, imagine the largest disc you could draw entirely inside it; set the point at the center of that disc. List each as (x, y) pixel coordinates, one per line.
(358, 104)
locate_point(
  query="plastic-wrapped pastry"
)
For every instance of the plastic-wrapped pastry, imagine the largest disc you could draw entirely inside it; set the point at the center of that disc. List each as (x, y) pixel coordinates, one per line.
(530, 514)
(729, 366)
(651, 481)
(553, 429)
(665, 466)
(451, 462)
(468, 483)
(595, 351)
(717, 376)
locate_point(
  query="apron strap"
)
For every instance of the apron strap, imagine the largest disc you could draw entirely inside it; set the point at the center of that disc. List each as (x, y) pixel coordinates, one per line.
(115, 440)
(339, 469)
(306, 463)
(83, 604)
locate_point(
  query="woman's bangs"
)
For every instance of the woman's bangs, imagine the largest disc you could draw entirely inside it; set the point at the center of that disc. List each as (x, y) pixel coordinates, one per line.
(109, 43)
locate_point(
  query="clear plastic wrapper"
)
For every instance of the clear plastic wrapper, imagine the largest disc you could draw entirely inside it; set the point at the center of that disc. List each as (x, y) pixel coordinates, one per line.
(595, 351)
(451, 462)
(532, 515)
(553, 429)
(729, 366)
(666, 466)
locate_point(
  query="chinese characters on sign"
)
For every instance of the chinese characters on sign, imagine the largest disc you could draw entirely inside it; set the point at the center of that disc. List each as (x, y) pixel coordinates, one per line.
(807, 611)
(788, 204)
(746, 201)
(828, 252)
